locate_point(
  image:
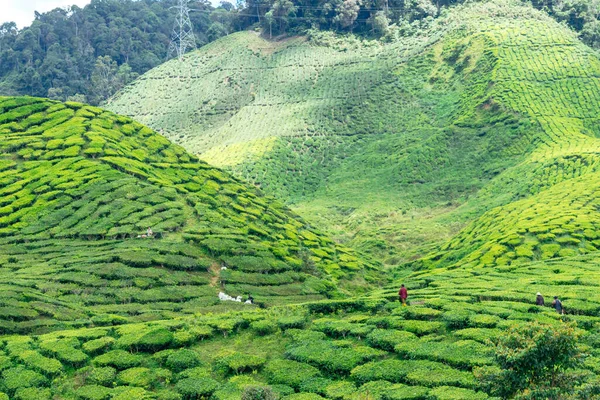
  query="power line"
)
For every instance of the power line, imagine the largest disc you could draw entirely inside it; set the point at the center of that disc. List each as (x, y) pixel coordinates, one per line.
(182, 38)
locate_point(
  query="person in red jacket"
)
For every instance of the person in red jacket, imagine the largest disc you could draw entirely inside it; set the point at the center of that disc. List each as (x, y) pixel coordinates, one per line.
(403, 293)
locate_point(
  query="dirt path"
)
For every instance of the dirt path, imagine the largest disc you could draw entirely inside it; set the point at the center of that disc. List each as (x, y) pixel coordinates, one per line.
(216, 270)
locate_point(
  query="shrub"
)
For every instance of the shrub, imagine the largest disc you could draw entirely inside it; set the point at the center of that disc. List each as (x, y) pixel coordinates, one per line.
(93, 392)
(102, 375)
(301, 335)
(288, 372)
(338, 390)
(371, 390)
(388, 370)
(294, 322)
(166, 394)
(404, 392)
(65, 352)
(155, 340)
(238, 363)
(483, 321)
(303, 396)
(137, 376)
(421, 313)
(456, 319)
(454, 393)
(264, 327)
(482, 335)
(282, 390)
(196, 388)
(45, 365)
(183, 359)
(465, 354)
(97, 345)
(420, 372)
(430, 373)
(386, 339)
(19, 377)
(258, 393)
(534, 359)
(329, 356)
(120, 359)
(197, 372)
(130, 393)
(33, 394)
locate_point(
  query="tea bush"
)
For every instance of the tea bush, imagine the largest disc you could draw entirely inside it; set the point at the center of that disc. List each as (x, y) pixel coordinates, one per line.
(289, 372)
(196, 388)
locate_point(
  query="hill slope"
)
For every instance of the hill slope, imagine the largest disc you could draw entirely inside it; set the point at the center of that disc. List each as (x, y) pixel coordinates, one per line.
(394, 147)
(340, 350)
(79, 185)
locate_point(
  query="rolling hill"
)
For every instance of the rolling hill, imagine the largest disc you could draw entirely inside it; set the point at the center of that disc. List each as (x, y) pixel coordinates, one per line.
(469, 155)
(80, 185)
(401, 147)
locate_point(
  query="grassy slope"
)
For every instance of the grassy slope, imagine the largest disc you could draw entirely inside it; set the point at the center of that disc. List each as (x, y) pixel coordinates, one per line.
(393, 147)
(77, 186)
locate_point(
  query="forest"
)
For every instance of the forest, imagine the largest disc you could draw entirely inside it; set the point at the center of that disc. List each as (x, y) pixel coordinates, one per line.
(87, 54)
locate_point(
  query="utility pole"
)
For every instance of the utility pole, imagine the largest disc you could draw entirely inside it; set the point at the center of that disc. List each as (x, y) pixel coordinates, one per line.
(182, 38)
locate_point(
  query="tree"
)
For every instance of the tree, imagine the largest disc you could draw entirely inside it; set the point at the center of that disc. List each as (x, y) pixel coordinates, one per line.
(379, 23)
(282, 11)
(108, 78)
(536, 362)
(347, 12)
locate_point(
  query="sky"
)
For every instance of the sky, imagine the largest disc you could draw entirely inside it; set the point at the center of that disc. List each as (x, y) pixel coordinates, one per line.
(22, 11)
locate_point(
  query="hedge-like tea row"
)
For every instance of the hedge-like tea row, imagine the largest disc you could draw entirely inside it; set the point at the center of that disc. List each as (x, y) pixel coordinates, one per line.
(80, 186)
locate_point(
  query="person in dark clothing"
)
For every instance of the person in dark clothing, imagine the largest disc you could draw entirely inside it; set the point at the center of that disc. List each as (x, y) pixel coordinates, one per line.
(539, 299)
(403, 294)
(557, 304)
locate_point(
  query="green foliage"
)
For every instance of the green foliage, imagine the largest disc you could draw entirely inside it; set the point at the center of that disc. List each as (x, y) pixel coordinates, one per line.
(59, 70)
(535, 361)
(120, 359)
(102, 376)
(288, 372)
(238, 363)
(183, 359)
(258, 393)
(93, 209)
(331, 358)
(264, 327)
(196, 388)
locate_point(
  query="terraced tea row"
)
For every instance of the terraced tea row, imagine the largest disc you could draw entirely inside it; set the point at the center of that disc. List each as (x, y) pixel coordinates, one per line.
(79, 188)
(495, 104)
(343, 349)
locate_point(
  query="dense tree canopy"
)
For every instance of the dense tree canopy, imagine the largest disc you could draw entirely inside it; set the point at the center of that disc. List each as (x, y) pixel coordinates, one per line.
(65, 51)
(89, 53)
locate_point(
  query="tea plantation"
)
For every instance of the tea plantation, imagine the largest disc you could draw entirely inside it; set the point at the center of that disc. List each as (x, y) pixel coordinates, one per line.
(79, 186)
(397, 146)
(363, 348)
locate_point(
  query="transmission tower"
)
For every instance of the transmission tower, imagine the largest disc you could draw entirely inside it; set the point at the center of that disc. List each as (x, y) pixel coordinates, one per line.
(182, 38)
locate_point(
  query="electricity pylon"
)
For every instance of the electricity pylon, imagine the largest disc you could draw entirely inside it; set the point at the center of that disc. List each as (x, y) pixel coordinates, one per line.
(182, 38)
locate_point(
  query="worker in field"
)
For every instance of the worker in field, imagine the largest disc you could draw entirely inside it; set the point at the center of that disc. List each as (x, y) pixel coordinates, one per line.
(539, 299)
(557, 304)
(403, 294)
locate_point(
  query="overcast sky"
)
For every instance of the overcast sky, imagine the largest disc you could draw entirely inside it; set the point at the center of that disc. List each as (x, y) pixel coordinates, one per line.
(22, 11)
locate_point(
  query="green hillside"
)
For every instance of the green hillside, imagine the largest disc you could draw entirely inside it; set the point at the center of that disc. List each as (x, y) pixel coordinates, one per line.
(396, 147)
(79, 185)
